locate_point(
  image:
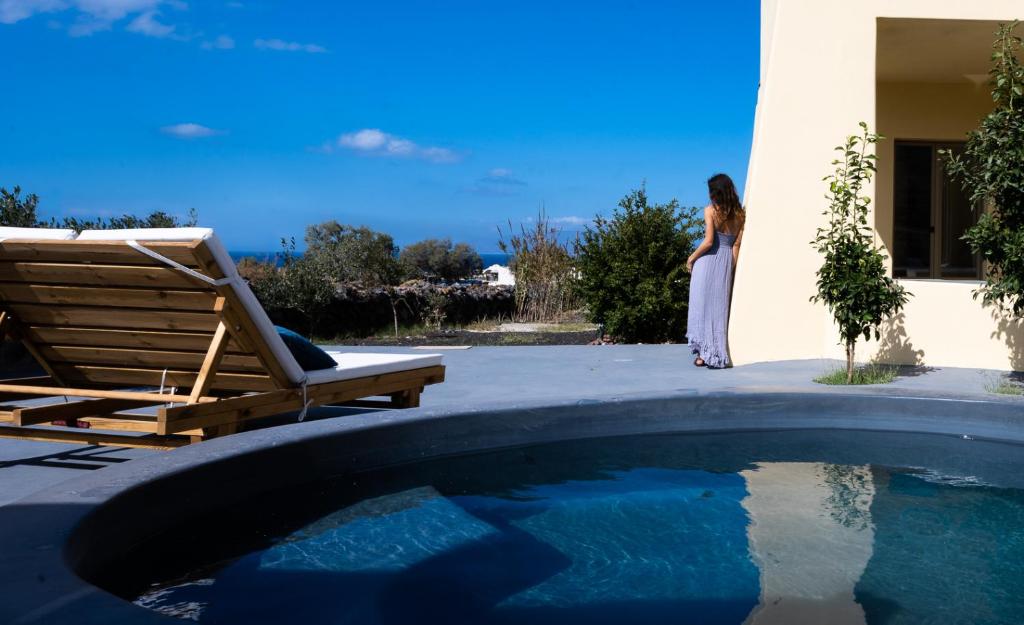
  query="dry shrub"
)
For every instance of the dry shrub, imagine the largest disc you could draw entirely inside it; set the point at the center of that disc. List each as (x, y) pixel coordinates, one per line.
(544, 269)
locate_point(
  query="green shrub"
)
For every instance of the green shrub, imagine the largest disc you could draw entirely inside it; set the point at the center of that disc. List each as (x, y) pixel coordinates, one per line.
(853, 282)
(438, 258)
(16, 211)
(353, 254)
(991, 170)
(632, 269)
(21, 213)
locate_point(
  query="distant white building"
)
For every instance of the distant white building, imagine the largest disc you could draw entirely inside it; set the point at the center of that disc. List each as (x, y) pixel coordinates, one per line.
(500, 275)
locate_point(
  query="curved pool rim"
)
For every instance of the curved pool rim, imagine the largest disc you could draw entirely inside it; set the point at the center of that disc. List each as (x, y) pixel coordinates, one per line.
(54, 538)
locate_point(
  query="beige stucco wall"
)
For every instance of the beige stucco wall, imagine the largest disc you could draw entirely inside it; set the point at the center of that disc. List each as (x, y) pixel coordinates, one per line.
(819, 81)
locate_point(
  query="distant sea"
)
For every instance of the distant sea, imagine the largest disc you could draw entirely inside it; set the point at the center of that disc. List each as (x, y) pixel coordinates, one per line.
(496, 258)
(490, 258)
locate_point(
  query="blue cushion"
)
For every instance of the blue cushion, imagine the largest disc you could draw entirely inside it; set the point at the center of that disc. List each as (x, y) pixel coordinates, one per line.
(309, 356)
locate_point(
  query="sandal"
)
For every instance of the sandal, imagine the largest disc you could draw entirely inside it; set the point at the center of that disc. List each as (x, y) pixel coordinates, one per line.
(699, 362)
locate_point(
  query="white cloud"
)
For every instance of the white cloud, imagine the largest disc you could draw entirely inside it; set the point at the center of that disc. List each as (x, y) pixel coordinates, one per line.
(190, 131)
(571, 220)
(91, 16)
(502, 176)
(12, 11)
(376, 142)
(287, 46)
(222, 42)
(147, 24)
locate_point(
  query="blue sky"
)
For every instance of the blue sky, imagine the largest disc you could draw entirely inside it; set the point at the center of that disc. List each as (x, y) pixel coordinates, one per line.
(419, 119)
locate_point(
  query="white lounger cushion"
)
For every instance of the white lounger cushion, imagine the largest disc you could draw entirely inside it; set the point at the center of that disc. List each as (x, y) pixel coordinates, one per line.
(227, 266)
(350, 365)
(361, 364)
(7, 232)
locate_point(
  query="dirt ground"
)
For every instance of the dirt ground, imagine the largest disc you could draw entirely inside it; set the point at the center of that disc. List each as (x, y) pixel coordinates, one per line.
(466, 337)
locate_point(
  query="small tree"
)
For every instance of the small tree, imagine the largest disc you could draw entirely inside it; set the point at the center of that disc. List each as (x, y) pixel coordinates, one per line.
(354, 254)
(438, 258)
(633, 269)
(853, 281)
(991, 170)
(16, 211)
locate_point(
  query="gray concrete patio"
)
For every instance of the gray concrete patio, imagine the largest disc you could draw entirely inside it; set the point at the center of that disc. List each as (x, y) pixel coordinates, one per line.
(484, 376)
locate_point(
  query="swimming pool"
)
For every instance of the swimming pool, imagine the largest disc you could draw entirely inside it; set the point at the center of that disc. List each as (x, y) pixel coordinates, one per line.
(543, 486)
(751, 527)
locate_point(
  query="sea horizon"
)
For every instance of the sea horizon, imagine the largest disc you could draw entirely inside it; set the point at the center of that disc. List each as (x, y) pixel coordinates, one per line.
(488, 258)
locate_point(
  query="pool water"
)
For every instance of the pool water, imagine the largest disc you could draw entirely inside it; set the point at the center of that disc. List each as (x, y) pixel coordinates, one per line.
(761, 528)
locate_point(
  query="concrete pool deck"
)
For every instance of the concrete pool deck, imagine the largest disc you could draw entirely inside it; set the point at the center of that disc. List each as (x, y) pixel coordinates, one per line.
(506, 376)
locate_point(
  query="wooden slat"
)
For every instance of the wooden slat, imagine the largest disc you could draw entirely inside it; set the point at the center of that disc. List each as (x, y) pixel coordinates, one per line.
(102, 296)
(142, 358)
(74, 410)
(223, 411)
(96, 275)
(5, 321)
(88, 437)
(112, 317)
(174, 377)
(211, 362)
(132, 339)
(130, 423)
(100, 252)
(66, 391)
(35, 381)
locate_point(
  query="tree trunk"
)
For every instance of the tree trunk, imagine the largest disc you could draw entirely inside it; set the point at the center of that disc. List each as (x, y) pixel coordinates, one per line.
(849, 361)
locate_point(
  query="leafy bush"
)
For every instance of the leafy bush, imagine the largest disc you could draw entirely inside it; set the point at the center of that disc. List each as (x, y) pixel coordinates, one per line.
(16, 211)
(991, 170)
(353, 254)
(438, 258)
(302, 288)
(305, 287)
(21, 213)
(633, 269)
(544, 271)
(853, 282)
(156, 219)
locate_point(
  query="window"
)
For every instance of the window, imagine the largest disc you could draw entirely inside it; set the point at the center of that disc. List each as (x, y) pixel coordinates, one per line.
(930, 214)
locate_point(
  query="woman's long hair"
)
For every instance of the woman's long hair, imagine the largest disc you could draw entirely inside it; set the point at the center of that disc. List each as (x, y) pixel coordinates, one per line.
(723, 195)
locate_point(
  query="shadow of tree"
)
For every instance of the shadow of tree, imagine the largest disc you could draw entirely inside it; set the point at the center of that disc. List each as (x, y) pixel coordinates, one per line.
(895, 348)
(1010, 331)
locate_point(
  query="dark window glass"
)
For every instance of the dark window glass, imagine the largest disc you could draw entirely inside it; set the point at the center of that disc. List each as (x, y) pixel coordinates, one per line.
(912, 208)
(930, 215)
(958, 215)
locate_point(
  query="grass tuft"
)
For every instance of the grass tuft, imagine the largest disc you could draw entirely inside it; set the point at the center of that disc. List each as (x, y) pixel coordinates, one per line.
(867, 374)
(1005, 386)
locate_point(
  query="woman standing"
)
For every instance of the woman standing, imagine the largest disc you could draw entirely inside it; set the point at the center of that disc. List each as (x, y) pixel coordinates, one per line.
(711, 266)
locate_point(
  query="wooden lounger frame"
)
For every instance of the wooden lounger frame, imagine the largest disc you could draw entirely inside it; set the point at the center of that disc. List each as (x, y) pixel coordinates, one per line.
(103, 319)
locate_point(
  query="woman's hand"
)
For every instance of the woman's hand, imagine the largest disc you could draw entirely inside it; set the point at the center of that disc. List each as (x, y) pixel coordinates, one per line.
(689, 264)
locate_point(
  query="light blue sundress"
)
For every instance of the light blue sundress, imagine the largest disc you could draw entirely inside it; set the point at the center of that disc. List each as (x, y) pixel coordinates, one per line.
(707, 321)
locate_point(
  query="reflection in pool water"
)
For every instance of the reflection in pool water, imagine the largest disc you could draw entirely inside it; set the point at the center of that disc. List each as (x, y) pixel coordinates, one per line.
(668, 529)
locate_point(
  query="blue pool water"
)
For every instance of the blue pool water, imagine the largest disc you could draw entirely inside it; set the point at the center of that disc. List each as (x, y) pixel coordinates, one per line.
(760, 528)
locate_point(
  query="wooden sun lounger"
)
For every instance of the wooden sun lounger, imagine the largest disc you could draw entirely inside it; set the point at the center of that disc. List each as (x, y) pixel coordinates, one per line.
(105, 320)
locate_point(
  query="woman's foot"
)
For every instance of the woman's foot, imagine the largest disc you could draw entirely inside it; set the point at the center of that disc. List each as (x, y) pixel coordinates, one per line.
(699, 362)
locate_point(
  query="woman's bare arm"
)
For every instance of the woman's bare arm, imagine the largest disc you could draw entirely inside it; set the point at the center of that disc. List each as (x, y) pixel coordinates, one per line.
(709, 238)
